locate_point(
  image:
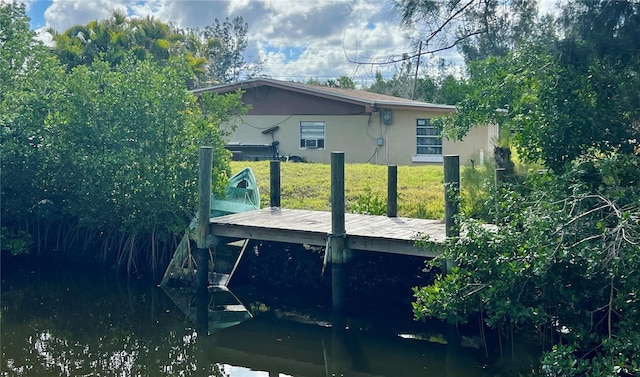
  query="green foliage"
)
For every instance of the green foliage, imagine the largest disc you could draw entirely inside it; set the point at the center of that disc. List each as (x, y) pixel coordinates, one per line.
(400, 85)
(30, 87)
(112, 39)
(554, 120)
(308, 186)
(478, 187)
(226, 60)
(423, 209)
(563, 260)
(14, 243)
(369, 203)
(102, 157)
(344, 82)
(564, 255)
(563, 361)
(480, 28)
(499, 31)
(439, 88)
(451, 91)
(564, 90)
(222, 46)
(213, 55)
(478, 183)
(130, 141)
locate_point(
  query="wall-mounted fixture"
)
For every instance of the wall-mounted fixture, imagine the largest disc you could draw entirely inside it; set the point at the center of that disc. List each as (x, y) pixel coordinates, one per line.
(387, 117)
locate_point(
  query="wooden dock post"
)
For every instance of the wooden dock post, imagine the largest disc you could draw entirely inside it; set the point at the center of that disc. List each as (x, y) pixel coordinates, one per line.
(451, 198)
(451, 208)
(338, 233)
(451, 193)
(274, 183)
(392, 191)
(204, 213)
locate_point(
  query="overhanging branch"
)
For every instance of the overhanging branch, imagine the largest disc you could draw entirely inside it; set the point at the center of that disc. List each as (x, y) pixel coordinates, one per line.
(392, 59)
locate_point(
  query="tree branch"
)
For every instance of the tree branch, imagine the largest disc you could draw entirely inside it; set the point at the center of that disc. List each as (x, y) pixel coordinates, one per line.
(392, 59)
(453, 12)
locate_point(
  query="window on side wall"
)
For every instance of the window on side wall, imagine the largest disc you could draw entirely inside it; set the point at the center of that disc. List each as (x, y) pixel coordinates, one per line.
(311, 135)
(428, 142)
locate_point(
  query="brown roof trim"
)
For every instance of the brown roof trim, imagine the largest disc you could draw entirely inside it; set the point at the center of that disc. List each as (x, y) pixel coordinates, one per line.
(370, 100)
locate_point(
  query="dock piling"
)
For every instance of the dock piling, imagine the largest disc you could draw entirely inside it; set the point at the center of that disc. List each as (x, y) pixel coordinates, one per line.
(451, 198)
(338, 233)
(451, 208)
(451, 193)
(204, 213)
(274, 183)
(392, 191)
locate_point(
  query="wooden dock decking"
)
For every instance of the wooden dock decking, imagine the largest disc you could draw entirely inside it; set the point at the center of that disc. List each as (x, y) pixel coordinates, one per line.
(394, 235)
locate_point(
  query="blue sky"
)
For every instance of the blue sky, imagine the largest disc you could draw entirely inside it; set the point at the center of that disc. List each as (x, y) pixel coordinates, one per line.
(36, 12)
(296, 39)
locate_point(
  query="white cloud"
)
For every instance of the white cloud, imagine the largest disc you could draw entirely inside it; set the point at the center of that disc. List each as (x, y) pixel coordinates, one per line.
(298, 40)
(550, 6)
(63, 14)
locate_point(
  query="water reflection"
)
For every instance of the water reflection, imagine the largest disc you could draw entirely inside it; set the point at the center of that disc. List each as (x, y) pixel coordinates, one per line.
(57, 321)
(212, 311)
(296, 349)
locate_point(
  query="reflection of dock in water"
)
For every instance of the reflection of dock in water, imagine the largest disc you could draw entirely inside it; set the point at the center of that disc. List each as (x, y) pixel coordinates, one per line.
(283, 343)
(223, 308)
(281, 347)
(182, 269)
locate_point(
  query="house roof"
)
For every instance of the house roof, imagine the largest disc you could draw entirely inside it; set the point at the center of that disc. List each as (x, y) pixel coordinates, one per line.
(368, 99)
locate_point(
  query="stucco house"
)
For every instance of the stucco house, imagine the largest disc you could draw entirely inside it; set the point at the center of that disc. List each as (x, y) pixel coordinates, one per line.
(310, 122)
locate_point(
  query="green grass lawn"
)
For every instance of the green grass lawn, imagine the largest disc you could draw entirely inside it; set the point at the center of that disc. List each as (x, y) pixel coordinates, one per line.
(308, 186)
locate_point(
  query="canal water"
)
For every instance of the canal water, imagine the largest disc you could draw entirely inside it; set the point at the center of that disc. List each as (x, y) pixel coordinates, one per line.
(64, 320)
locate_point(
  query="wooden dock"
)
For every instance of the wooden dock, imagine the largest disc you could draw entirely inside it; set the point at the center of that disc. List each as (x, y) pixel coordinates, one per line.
(338, 231)
(394, 235)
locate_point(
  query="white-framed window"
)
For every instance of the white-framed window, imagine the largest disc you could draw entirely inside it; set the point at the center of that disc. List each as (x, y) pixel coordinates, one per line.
(311, 135)
(428, 142)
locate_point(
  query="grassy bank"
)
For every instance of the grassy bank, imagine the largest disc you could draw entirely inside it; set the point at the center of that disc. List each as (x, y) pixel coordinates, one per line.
(308, 186)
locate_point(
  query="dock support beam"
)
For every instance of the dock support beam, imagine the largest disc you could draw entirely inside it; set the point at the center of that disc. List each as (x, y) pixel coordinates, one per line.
(392, 191)
(451, 197)
(338, 234)
(274, 183)
(204, 213)
(451, 193)
(451, 208)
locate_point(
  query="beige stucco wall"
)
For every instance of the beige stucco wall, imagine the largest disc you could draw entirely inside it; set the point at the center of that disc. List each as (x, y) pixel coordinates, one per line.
(477, 145)
(357, 136)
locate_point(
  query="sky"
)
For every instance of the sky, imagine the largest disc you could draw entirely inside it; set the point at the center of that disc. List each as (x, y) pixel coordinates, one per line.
(297, 40)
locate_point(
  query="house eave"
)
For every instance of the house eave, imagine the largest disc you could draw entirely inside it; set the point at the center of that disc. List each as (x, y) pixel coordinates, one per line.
(370, 106)
(415, 106)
